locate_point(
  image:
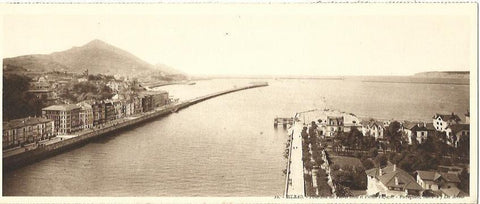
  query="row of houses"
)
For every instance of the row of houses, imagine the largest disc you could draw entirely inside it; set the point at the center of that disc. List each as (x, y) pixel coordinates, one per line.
(450, 124)
(393, 181)
(62, 119)
(26, 130)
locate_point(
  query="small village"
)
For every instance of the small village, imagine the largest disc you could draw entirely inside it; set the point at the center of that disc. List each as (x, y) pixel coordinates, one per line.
(345, 156)
(70, 103)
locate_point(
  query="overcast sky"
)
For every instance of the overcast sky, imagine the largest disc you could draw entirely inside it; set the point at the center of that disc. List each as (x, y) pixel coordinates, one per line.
(266, 40)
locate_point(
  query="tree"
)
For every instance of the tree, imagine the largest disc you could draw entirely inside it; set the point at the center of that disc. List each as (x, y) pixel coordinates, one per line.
(464, 181)
(464, 146)
(381, 160)
(373, 152)
(15, 97)
(393, 136)
(368, 164)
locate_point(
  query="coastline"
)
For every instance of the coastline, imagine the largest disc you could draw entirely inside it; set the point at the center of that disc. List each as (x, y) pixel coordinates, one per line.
(14, 161)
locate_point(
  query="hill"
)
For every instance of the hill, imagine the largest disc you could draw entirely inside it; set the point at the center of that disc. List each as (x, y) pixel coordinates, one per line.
(96, 56)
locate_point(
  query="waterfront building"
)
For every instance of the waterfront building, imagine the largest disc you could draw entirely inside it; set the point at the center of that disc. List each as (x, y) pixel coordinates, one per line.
(415, 131)
(66, 117)
(373, 128)
(110, 113)
(147, 102)
(137, 105)
(98, 113)
(159, 98)
(334, 124)
(127, 107)
(86, 115)
(26, 130)
(391, 181)
(455, 132)
(442, 121)
(119, 111)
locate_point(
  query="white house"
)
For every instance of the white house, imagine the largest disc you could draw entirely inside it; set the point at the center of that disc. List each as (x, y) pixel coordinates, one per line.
(415, 131)
(373, 128)
(333, 124)
(442, 121)
(441, 183)
(391, 181)
(455, 132)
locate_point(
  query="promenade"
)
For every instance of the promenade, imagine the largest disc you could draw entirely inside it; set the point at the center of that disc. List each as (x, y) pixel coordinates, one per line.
(20, 156)
(295, 180)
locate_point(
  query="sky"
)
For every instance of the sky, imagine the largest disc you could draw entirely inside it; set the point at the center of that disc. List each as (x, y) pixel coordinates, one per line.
(262, 40)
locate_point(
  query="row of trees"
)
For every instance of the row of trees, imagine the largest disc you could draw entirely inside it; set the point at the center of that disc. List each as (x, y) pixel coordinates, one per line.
(432, 152)
(312, 158)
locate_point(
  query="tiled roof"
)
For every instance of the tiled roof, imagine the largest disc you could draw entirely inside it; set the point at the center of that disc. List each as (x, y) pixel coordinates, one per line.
(453, 192)
(62, 107)
(84, 105)
(459, 127)
(17, 123)
(405, 181)
(449, 177)
(447, 117)
(372, 172)
(371, 123)
(430, 126)
(449, 168)
(428, 175)
(432, 176)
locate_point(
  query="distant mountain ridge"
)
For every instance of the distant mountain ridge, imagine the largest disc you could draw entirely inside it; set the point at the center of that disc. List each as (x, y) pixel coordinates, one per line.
(445, 74)
(96, 56)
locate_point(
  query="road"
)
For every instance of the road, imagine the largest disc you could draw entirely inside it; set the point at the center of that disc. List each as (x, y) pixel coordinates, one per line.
(296, 185)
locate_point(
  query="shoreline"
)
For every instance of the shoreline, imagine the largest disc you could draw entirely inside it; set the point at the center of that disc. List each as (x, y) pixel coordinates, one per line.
(15, 161)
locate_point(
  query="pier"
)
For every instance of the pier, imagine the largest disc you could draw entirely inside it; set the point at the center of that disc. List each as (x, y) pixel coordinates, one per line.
(295, 184)
(282, 121)
(14, 161)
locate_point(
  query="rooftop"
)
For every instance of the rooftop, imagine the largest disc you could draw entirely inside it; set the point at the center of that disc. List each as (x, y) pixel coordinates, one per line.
(62, 107)
(459, 127)
(391, 174)
(447, 117)
(24, 122)
(433, 176)
(453, 192)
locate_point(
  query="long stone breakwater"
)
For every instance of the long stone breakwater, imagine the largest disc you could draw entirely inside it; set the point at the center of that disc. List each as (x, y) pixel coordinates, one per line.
(18, 160)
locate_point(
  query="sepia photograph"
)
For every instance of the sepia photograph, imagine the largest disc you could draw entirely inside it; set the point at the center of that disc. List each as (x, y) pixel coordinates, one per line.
(280, 102)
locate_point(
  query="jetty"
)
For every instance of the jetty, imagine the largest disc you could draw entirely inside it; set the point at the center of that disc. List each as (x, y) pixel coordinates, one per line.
(294, 180)
(282, 121)
(14, 161)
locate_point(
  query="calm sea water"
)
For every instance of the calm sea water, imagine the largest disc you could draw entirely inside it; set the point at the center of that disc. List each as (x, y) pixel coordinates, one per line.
(225, 146)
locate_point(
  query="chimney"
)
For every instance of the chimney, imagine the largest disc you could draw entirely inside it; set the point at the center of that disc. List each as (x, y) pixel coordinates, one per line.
(394, 167)
(396, 180)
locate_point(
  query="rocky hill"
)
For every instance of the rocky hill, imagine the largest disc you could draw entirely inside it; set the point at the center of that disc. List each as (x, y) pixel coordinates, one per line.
(96, 56)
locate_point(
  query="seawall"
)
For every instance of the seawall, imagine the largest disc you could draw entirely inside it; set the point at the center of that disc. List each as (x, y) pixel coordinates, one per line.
(18, 160)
